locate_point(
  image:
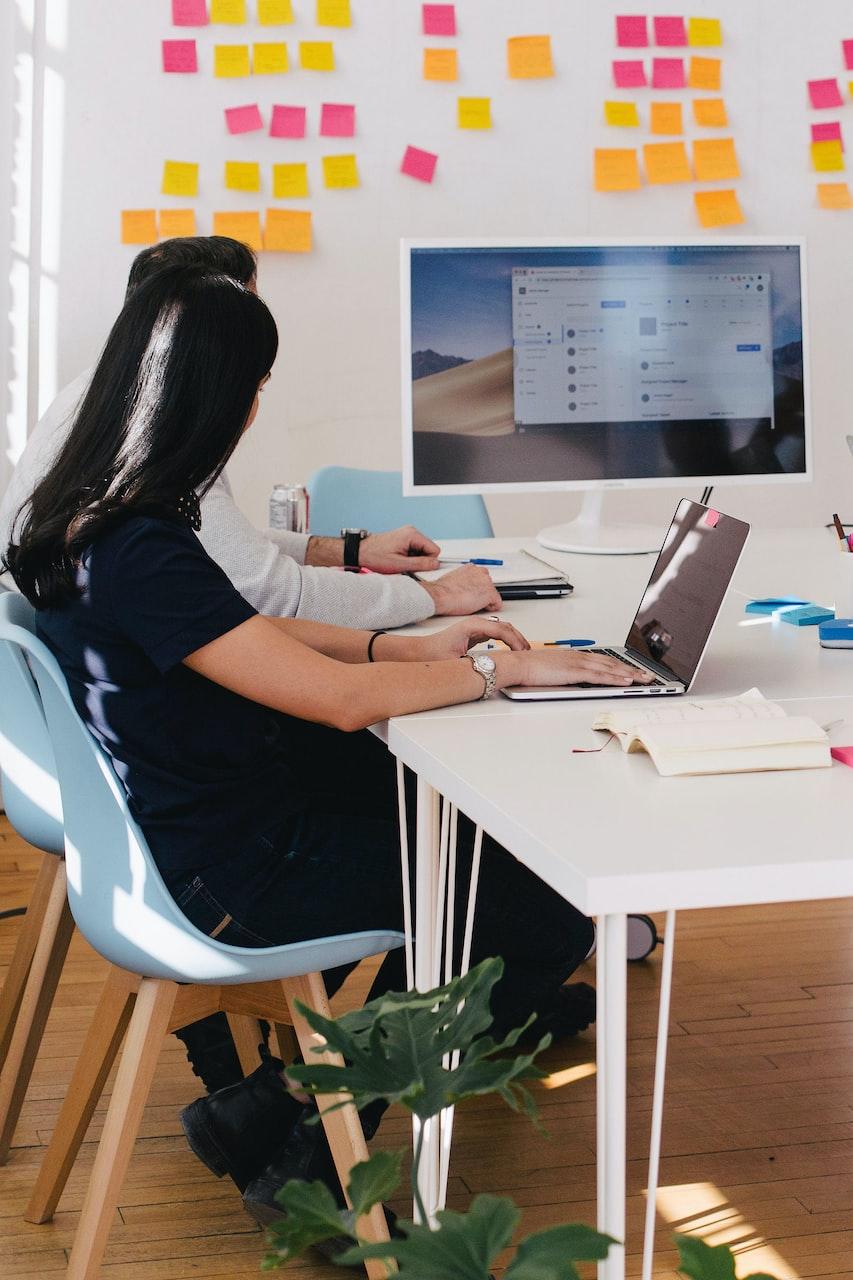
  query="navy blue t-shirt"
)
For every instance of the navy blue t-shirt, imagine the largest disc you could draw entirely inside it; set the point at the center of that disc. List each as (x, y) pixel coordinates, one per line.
(205, 770)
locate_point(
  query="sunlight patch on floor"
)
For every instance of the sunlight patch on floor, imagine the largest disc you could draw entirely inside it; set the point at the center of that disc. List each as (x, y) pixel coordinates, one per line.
(701, 1209)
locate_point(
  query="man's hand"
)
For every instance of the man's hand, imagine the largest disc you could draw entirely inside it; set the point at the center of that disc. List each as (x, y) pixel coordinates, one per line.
(465, 590)
(403, 550)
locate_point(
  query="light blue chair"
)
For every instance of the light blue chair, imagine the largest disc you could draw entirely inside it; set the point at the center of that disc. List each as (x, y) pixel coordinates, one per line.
(165, 973)
(344, 497)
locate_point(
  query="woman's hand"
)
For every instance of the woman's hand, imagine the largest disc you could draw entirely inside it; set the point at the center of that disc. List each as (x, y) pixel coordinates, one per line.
(564, 666)
(455, 641)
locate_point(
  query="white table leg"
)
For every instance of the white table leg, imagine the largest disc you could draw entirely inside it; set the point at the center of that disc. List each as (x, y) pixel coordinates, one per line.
(611, 1060)
(426, 965)
(657, 1097)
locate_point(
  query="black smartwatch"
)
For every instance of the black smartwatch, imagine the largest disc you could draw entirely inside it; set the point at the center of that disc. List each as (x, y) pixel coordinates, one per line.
(352, 543)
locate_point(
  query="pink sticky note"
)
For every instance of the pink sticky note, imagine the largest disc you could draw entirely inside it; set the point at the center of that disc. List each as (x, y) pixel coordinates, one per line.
(439, 19)
(629, 75)
(179, 55)
(844, 755)
(829, 132)
(712, 518)
(337, 120)
(668, 73)
(419, 164)
(670, 33)
(847, 46)
(189, 13)
(825, 93)
(243, 119)
(287, 122)
(631, 32)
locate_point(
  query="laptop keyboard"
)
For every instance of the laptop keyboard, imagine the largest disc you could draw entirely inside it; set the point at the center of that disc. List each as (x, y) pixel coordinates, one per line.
(621, 657)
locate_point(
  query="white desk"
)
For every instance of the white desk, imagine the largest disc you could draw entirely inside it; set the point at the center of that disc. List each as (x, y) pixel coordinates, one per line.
(611, 835)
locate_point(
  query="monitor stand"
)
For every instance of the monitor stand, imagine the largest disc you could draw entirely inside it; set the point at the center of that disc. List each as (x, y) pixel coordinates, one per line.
(588, 536)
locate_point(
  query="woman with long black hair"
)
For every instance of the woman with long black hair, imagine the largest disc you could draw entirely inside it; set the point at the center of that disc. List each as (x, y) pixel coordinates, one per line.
(206, 708)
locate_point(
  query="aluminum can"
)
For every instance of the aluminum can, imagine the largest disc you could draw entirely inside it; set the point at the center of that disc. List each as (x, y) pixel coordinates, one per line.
(289, 508)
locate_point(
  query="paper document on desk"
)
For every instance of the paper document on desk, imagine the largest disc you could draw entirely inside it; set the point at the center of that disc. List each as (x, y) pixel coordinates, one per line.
(518, 567)
(733, 735)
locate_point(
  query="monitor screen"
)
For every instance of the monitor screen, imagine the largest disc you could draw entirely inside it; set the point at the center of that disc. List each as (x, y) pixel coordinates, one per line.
(585, 365)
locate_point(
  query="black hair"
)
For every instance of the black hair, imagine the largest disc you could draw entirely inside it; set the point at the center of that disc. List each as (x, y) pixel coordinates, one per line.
(166, 406)
(216, 253)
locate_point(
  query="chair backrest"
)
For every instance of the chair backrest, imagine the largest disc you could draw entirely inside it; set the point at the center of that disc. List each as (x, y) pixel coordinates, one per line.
(117, 896)
(346, 497)
(30, 787)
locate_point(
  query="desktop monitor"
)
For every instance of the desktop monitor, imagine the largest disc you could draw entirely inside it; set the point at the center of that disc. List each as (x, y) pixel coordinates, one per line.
(540, 365)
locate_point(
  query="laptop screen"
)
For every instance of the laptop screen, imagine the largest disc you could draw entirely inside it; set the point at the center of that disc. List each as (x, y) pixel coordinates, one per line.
(687, 587)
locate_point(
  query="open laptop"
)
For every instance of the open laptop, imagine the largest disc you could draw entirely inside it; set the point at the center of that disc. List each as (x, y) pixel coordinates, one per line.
(678, 610)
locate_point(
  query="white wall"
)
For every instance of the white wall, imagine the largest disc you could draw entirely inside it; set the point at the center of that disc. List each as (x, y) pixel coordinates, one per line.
(335, 390)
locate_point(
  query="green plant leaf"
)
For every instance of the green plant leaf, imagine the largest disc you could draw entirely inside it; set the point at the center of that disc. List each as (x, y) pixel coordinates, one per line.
(461, 1248)
(374, 1180)
(309, 1216)
(550, 1255)
(701, 1261)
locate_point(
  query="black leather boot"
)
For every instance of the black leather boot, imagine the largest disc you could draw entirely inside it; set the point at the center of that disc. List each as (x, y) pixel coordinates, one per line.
(211, 1052)
(239, 1129)
(572, 1010)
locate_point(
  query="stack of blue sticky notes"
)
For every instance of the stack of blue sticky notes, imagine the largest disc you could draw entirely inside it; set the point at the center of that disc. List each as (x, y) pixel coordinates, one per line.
(773, 603)
(791, 609)
(837, 634)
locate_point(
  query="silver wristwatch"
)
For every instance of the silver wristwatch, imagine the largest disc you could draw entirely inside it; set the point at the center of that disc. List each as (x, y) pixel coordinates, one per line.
(485, 667)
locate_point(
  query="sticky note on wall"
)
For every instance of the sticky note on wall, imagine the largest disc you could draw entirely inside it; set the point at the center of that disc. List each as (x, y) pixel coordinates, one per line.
(704, 31)
(245, 227)
(230, 60)
(288, 231)
(275, 13)
(177, 222)
(834, 195)
(138, 226)
(232, 12)
(827, 157)
(440, 64)
(666, 117)
(269, 59)
(529, 57)
(827, 131)
(316, 55)
(419, 164)
(616, 169)
(621, 114)
(474, 113)
(667, 73)
(290, 181)
(337, 120)
(287, 122)
(340, 172)
(631, 31)
(715, 159)
(824, 93)
(242, 175)
(704, 73)
(710, 113)
(438, 19)
(333, 13)
(670, 32)
(629, 74)
(666, 162)
(189, 13)
(180, 178)
(718, 208)
(180, 56)
(244, 119)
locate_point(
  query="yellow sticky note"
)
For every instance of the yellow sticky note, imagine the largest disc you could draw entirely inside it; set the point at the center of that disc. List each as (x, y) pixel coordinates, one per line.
(289, 181)
(288, 231)
(138, 226)
(827, 156)
(704, 31)
(704, 73)
(440, 64)
(177, 222)
(834, 195)
(275, 13)
(666, 117)
(667, 162)
(231, 60)
(529, 57)
(333, 13)
(616, 169)
(340, 172)
(710, 113)
(269, 59)
(245, 227)
(242, 175)
(232, 12)
(715, 159)
(179, 178)
(718, 208)
(474, 113)
(621, 114)
(316, 55)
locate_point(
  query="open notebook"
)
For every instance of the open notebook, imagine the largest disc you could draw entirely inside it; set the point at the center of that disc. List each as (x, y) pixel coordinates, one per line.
(733, 735)
(521, 576)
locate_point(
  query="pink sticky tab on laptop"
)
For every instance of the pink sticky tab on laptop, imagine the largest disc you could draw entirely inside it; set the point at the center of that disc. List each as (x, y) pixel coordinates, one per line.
(844, 755)
(712, 519)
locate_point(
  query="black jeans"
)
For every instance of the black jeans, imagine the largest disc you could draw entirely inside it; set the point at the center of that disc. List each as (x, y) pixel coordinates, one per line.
(337, 870)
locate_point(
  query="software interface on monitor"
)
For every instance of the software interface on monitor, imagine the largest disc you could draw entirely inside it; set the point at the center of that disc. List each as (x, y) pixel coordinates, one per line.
(606, 363)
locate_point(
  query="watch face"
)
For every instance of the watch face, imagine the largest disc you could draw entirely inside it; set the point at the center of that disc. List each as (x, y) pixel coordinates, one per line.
(484, 662)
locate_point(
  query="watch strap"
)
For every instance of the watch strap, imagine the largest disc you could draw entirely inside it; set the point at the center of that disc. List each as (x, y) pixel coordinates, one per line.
(352, 544)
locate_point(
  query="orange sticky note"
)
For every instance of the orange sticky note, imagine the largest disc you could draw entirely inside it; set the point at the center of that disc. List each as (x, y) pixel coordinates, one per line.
(834, 195)
(827, 156)
(138, 226)
(616, 169)
(231, 60)
(710, 113)
(179, 179)
(666, 117)
(474, 113)
(269, 59)
(440, 64)
(715, 159)
(275, 13)
(333, 13)
(288, 231)
(718, 208)
(242, 175)
(704, 31)
(177, 222)
(316, 55)
(340, 172)
(666, 162)
(529, 57)
(245, 227)
(704, 73)
(622, 115)
(290, 181)
(232, 12)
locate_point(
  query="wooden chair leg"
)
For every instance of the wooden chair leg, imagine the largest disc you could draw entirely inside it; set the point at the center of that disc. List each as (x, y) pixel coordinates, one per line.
(143, 1042)
(343, 1127)
(246, 1032)
(45, 970)
(288, 1045)
(28, 935)
(87, 1084)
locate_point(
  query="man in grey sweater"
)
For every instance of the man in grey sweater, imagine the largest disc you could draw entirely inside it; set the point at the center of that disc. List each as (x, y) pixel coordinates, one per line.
(290, 575)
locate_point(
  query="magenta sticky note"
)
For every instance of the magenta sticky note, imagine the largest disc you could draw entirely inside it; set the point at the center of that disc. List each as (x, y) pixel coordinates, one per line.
(337, 120)
(825, 93)
(847, 46)
(712, 518)
(668, 73)
(419, 164)
(439, 19)
(829, 132)
(670, 33)
(844, 755)
(189, 13)
(179, 55)
(243, 119)
(632, 31)
(629, 75)
(287, 122)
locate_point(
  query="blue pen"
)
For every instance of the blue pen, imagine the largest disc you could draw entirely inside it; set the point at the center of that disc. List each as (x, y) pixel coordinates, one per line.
(571, 644)
(473, 560)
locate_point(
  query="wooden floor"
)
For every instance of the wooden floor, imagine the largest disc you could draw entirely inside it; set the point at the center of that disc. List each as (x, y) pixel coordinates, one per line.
(758, 1139)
